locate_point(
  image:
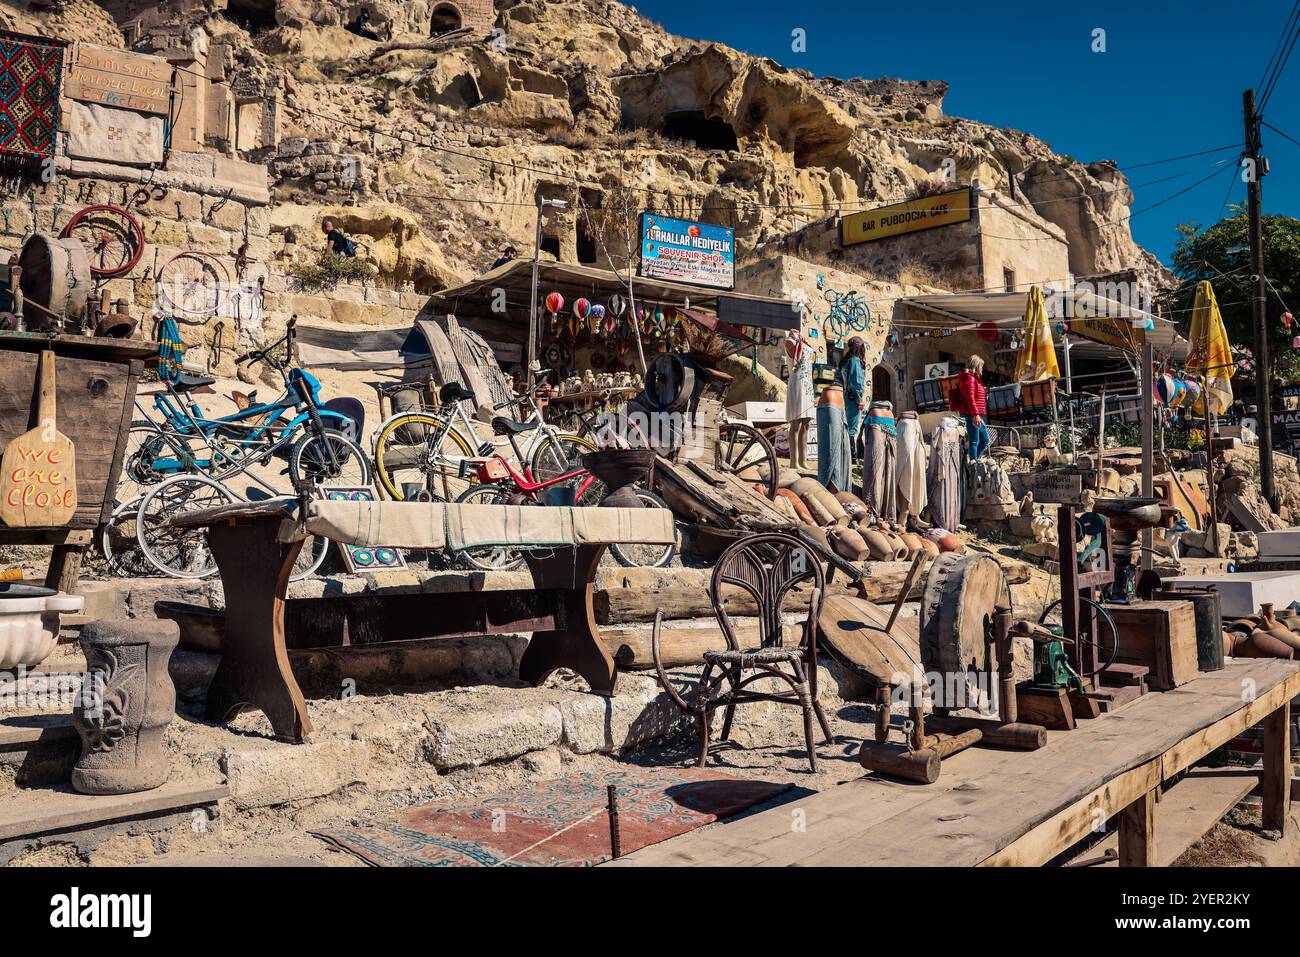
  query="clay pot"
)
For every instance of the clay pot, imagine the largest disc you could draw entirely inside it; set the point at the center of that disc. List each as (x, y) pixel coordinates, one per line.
(620, 470)
(29, 622)
(125, 706)
(881, 549)
(823, 505)
(913, 542)
(800, 509)
(946, 540)
(930, 547)
(1276, 629)
(848, 544)
(1260, 644)
(856, 508)
(899, 546)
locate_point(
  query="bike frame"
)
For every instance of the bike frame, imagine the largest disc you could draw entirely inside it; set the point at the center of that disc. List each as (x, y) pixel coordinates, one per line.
(525, 482)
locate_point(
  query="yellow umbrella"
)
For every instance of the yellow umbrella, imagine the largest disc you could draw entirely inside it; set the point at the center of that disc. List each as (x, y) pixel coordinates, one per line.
(1210, 355)
(1037, 357)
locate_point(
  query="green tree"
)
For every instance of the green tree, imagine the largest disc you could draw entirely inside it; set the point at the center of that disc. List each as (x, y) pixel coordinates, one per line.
(1220, 254)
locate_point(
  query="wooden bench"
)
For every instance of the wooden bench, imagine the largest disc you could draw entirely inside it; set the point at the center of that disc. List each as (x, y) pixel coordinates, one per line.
(1025, 808)
(255, 548)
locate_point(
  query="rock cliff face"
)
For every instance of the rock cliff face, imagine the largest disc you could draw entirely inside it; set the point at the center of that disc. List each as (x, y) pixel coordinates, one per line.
(588, 100)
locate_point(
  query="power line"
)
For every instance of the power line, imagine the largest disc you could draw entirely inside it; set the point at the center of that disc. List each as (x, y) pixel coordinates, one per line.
(1270, 84)
(1277, 47)
(1285, 136)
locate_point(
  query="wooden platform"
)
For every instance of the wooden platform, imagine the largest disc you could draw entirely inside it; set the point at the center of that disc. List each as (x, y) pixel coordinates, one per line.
(1021, 808)
(43, 811)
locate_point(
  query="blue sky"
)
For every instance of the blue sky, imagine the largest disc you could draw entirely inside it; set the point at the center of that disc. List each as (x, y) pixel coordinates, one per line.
(1169, 82)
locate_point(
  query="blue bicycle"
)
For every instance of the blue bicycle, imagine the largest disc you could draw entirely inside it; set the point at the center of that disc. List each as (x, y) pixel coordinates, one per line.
(318, 440)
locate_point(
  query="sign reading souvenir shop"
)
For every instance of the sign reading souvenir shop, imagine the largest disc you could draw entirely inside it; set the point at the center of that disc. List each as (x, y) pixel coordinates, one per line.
(913, 216)
(678, 250)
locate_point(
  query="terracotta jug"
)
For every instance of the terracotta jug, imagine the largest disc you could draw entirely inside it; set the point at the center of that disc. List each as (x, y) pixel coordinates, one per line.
(1276, 629)
(848, 544)
(797, 503)
(913, 543)
(881, 550)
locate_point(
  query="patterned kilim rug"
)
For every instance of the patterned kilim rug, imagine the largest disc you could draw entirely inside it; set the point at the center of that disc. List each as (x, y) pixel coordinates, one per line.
(31, 71)
(556, 823)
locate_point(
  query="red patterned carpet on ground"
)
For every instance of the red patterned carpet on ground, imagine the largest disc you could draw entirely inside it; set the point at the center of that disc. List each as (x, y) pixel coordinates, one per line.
(555, 823)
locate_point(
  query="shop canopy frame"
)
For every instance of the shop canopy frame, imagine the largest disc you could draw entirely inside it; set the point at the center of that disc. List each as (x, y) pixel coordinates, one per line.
(475, 299)
(1006, 310)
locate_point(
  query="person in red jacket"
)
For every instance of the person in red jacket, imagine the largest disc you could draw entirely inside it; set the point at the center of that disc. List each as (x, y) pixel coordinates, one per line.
(972, 403)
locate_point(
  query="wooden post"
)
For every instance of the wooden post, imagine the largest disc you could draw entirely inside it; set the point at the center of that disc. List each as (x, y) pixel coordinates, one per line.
(1146, 384)
(1210, 491)
(1137, 832)
(1277, 769)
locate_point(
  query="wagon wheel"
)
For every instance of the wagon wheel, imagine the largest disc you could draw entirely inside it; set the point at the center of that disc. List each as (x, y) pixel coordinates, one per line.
(193, 283)
(112, 237)
(744, 452)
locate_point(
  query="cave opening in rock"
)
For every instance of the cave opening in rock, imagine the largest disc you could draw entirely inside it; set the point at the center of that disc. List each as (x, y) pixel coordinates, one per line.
(253, 15)
(446, 17)
(551, 244)
(694, 127)
(588, 247)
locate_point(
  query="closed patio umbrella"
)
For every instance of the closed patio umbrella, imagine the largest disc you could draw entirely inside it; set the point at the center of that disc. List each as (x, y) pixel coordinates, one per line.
(1210, 355)
(1037, 356)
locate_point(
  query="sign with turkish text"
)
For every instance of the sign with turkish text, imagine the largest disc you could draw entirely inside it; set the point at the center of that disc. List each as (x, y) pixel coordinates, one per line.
(678, 250)
(945, 209)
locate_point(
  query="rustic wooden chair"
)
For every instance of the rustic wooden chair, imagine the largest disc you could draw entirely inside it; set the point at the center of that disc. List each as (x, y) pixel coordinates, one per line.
(767, 567)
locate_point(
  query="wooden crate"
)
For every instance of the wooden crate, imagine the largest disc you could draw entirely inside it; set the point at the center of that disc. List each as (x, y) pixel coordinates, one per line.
(1160, 635)
(96, 383)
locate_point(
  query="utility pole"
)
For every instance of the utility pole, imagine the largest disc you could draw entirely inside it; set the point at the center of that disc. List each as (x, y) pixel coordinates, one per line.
(1256, 168)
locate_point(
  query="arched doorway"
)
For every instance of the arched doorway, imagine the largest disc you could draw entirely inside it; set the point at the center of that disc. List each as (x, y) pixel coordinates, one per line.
(882, 384)
(446, 17)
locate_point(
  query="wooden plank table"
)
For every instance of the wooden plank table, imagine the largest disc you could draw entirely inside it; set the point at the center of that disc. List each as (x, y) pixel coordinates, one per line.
(1022, 808)
(554, 603)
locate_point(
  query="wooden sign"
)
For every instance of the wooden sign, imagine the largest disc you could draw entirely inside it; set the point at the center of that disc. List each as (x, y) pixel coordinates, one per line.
(928, 212)
(128, 81)
(38, 474)
(1060, 488)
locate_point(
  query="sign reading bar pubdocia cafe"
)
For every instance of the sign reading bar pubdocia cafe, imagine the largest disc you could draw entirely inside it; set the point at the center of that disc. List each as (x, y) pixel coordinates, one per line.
(677, 250)
(913, 216)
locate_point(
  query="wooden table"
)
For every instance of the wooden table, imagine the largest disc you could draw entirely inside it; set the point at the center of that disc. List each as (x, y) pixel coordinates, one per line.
(1023, 808)
(255, 565)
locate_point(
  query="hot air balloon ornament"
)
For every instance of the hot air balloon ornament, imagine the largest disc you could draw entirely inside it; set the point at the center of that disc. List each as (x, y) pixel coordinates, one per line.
(581, 309)
(595, 317)
(554, 303)
(659, 325)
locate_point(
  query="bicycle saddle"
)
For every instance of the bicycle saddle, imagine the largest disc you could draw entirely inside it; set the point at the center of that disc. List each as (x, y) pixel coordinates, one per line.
(189, 380)
(454, 392)
(504, 426)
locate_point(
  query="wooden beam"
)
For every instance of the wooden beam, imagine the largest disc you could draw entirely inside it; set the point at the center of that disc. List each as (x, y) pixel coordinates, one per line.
(1277, 769)
(1194, 747)
(1137, 832)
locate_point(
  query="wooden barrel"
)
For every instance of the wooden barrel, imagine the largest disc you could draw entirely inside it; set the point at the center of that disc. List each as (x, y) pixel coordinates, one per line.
(669, 382)
(56, 276)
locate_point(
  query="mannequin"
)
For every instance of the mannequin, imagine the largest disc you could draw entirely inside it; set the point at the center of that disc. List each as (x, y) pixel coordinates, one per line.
(799, 398)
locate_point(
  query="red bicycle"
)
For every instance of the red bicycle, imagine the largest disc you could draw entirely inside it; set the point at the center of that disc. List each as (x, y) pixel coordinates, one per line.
(501, 484)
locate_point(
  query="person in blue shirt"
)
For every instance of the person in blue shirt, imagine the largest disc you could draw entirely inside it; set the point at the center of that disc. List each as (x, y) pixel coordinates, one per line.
(852, 375)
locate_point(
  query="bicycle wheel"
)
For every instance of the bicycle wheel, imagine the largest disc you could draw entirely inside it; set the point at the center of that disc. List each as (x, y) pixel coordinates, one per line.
(193, 283)
(311, 558)
(119, 542)
(560, 454)
(179, 552)
(419, 451)
(647, 556)
(328, 458)
(111, 236)
(490, 558)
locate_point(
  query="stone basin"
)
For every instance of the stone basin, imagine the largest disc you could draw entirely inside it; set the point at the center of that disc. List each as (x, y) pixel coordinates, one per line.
(29, 623)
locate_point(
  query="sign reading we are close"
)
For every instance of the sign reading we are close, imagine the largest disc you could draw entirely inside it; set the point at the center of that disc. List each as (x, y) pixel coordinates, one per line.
(128, 81)
(913, 216)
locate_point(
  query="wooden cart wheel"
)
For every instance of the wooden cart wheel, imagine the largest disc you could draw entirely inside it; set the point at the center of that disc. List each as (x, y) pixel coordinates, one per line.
(957, 605)
(193, 283)
(743, 451)
(112, 237)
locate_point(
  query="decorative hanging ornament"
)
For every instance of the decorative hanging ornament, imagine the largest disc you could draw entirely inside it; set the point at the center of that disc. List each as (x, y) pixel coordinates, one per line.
(554, 303)
(617, 305)
(581, 307)
(987, 330)
(1295, 343)
(1287, 319)
(595, 316)
(1062, 328)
